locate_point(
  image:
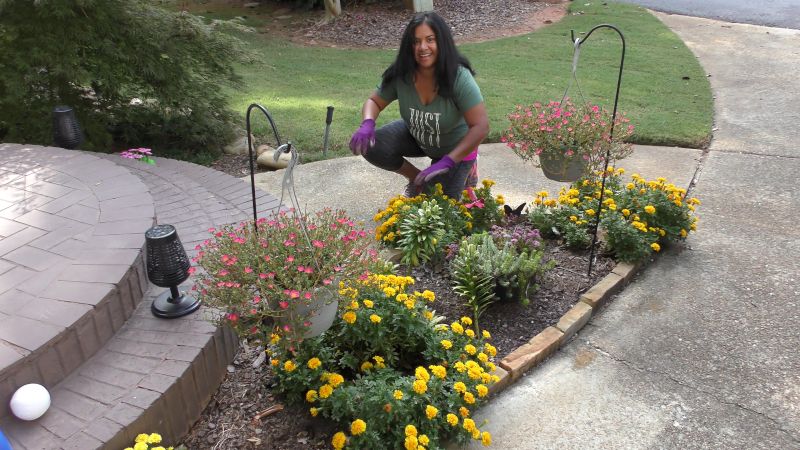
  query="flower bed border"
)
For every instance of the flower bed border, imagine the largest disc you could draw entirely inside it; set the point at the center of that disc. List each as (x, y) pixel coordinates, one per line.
(527, 356)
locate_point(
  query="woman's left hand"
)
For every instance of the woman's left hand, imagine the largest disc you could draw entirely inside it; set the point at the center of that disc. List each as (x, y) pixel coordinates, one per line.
(439, 167)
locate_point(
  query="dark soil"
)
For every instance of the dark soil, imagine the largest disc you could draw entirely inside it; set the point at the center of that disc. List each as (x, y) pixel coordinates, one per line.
(240, 415)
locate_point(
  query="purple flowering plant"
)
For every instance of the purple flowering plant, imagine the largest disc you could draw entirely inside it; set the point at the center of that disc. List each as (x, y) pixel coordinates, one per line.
(144, 155)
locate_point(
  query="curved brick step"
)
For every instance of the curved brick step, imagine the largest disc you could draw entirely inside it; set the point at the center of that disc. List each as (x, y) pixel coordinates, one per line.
(153, 374)
(71, 271)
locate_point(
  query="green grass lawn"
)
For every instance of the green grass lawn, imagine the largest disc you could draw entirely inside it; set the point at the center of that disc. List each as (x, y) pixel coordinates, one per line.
(664, 90)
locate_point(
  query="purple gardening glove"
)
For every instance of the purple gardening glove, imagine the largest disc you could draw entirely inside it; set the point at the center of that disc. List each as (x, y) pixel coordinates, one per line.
(363, 138)
(437, 168)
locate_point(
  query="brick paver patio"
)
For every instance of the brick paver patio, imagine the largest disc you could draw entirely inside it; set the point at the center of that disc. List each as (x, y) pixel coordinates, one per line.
(72, 281)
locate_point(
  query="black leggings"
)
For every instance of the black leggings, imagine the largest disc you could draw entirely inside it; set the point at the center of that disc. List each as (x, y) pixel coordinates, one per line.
(394, 143)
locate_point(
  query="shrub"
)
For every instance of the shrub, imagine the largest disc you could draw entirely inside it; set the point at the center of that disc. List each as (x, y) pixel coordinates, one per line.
(134, 73)
(387, 373)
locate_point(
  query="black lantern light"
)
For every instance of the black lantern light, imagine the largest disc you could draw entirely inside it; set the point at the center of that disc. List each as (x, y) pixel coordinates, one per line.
(66, 130)
(168, 266)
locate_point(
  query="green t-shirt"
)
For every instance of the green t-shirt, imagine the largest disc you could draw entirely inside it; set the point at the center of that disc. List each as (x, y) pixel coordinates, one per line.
(439, 126)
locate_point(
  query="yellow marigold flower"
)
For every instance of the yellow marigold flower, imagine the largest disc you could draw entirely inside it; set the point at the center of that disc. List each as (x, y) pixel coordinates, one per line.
(457, 328)
(612, 207)
(463, 411)
(369, 303)
(431, 412)
(428, 315)
(289, 366)
(311, 396)
(411, 430)
(626, 212)
(460, 387)
(338, 440)
(423, 439)
(314, 363)
(334, 379)
(402, 297)
(683, 233)
(693, 227)
(411, 443)
(325, 391)
(490, 366)
(573, 218)
(357, 427)
(410, 303)
(642, 191)
(655, 247)
(438, 371)
(390, 291)
(488, 183)
(452, 419)
(274, 362)
(466, 321)
(620, 171)
(486, 439)
(469, 348)
(650, 209)
(398, 395)
(500, 200)
(486, 334)
(459, 366)
(349, 317)
(274, 338)
(469, 398)
(446, 344)
(141, 438)
(428, 295)
(374, 318)
(366, 365)
(469, 425)
(420, 387)
(422, 374)
(486, 378)
(141, 446)
(482, 390)
(470, 334)
(314, 412)
(590, 212)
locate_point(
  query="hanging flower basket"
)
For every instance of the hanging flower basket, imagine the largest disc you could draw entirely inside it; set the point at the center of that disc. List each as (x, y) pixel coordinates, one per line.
(562, 168)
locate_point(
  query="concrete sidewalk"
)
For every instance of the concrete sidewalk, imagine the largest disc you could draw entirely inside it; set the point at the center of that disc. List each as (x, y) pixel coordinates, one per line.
(701, 350)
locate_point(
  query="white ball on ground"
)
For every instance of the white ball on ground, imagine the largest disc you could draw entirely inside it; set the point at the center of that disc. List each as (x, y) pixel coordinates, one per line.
(30, 401)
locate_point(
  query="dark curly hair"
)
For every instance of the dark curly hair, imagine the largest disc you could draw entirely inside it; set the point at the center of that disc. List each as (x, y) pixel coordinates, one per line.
(447, 61)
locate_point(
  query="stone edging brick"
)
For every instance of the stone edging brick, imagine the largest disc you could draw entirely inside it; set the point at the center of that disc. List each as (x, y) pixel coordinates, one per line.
(536, 350)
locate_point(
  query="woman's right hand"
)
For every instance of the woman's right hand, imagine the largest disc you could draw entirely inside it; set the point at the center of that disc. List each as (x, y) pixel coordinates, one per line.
(363, 138)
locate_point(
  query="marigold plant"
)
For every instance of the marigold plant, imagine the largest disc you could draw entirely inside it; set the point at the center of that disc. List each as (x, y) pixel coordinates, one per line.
(637, 217)
(400, 382)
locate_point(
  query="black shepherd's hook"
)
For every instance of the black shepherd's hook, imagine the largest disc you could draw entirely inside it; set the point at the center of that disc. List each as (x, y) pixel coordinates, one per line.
(250, 153)
(611, 134)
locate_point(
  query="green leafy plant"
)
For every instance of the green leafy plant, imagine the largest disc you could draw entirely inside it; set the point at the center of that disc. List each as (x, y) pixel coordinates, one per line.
(387, 372)
(564, 131)
(422, 226)
(470, 282)
(279, 271)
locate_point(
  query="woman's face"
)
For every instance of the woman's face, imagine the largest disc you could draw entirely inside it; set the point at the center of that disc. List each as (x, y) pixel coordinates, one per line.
(425, 50)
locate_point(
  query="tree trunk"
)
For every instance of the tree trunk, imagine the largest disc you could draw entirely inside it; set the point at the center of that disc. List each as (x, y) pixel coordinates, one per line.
(333, 8)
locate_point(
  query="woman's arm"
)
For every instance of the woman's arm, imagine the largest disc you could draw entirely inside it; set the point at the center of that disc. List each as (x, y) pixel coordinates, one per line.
(478, 123)
(373, 107)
